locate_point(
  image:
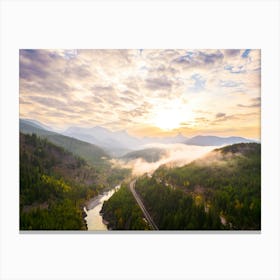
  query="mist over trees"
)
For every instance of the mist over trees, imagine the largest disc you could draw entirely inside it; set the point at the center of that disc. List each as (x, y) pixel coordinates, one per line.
(229, 182)
(219, 191)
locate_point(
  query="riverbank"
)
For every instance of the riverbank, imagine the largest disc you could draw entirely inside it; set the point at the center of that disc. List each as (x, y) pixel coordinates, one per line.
(91, 203)
(92, 208)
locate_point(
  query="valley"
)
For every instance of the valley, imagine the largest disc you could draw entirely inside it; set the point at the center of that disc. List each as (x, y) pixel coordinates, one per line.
(220, 191)
(55, 184)
(182, 187)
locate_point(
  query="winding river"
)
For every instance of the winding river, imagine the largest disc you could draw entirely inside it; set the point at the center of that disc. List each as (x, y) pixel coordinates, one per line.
(94, 219)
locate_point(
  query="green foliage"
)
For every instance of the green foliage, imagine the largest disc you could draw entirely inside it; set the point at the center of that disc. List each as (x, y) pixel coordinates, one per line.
(91, 153)
(221, 191)
(149, 155)
(63, 215)
(54, 185)
(229, 180)
(116, 175)
(172, 209)
(122, 212)
(49, 197)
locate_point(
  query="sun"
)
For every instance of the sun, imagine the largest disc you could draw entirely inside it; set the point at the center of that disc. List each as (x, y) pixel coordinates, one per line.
(172, 115)
(167, 120)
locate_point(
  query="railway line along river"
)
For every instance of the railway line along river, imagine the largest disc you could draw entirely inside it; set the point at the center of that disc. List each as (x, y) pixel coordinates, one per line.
(93, 219)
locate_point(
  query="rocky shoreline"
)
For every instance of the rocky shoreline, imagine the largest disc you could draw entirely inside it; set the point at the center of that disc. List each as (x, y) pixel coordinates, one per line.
(84, 215)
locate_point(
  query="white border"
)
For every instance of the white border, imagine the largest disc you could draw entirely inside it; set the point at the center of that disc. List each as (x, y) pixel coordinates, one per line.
(157, 24)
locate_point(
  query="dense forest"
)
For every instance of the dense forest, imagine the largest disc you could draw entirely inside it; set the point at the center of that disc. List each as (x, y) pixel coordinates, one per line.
(219, 191)
(122, 212)
(227, 182)
(54, 185)
(172, 209)
(91, 153)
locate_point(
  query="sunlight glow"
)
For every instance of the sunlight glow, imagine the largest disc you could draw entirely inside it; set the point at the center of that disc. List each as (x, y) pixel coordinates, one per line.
(148, 92)
(167, 120)
(172, 116)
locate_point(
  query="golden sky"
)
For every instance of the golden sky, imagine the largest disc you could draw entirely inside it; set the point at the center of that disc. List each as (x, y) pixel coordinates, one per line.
(146, 92)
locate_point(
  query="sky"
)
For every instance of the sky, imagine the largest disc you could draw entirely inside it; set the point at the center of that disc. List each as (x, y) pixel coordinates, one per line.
(147, 92)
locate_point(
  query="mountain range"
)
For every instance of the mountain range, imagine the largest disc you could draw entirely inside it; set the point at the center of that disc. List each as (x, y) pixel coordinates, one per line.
(105, 142)
(115, 143)
(119, 143)
(92, 153)
(209, 140)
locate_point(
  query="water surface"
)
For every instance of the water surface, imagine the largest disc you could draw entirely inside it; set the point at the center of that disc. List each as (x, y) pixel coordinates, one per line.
(94, 219)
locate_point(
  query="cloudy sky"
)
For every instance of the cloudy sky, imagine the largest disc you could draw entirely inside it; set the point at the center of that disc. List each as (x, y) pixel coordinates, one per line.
(146, 92)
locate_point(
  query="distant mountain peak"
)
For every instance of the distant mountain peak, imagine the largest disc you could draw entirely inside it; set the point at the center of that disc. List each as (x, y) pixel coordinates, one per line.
(212, 140)
(37, 124)
(180, 135)
(99, 127)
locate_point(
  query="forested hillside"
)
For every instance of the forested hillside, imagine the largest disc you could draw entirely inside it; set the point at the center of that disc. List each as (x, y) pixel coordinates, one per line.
(91, 153)
(149, 155)
(227, 182)
(54, 185)
(219, 191)
(122, 212)
(173, 209)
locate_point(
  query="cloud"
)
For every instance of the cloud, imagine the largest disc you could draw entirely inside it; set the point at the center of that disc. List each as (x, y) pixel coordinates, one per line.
(32, 65)
(229, 83)
(257, 99)
(140, 111)
(255, 103)
(102, 89)
(79, 72)
(129, 88)
(158, 83)
(199, 58)
(23, 100)
(235, 118)
(49, 101)
(239, 69)
(220, 115)
(174, 154)
(37, 64)
(232, 52)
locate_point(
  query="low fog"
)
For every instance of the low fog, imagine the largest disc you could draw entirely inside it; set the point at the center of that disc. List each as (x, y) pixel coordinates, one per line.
(175, 155)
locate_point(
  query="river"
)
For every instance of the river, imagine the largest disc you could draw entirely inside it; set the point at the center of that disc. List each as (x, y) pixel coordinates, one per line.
(94, 219)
